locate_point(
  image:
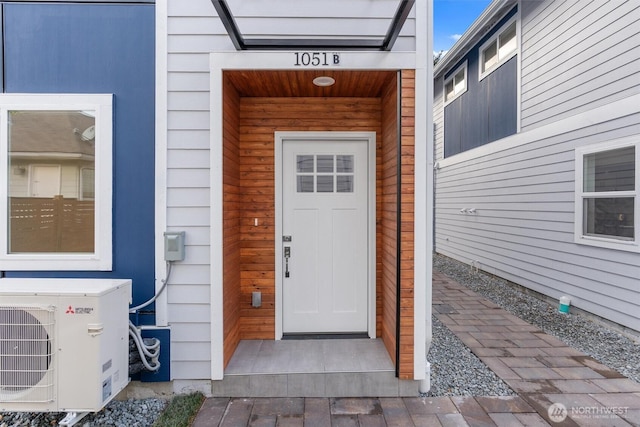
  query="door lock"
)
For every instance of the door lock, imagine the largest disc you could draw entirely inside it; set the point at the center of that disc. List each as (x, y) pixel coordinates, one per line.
(287, 255)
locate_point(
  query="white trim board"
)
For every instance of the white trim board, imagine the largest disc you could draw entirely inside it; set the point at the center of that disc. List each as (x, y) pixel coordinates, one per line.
(162, 316)
(423, 190)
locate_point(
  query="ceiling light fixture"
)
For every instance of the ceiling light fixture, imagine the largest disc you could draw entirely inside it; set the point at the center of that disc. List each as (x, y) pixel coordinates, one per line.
(324, 81)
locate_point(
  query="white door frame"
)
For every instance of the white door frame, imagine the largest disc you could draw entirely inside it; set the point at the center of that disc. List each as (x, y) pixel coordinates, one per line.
(370, 138)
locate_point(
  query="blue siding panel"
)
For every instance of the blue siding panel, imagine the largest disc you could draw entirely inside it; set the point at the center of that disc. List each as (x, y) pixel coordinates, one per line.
(99, 48)
(452, 128)
(502, 97)
(487, 111)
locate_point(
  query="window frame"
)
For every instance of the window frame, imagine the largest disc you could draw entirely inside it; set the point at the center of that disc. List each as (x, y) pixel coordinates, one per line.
(456, 95)
(102, 258)
(495, 39)
(81, 180)
(580, 195)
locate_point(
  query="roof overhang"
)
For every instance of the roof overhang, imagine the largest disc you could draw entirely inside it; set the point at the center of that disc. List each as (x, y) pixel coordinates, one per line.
(383, 44)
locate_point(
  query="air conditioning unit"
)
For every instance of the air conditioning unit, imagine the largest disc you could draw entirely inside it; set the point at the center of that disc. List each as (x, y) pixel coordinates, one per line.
(63, 343)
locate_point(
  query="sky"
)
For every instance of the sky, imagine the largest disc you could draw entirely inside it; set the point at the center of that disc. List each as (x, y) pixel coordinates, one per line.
(451, 18)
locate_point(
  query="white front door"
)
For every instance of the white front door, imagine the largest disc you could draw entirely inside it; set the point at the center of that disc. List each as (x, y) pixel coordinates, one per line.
(325, 227)
(45, 181)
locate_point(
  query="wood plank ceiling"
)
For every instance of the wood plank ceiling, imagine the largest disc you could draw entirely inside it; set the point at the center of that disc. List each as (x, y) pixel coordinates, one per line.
(294, 83)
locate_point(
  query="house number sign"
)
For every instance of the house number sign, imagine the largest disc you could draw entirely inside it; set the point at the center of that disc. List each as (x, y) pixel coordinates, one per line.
(316, 59)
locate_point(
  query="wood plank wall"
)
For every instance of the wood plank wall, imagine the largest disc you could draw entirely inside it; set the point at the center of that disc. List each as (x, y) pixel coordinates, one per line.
(232, 210)
(388, 206)
(389, 209)
(407, 219)
(249, 176)
(259, 119)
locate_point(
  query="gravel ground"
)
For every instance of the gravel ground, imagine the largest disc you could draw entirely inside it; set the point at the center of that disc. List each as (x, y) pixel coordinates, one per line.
(594, 339)
(125, 413)
(455, 371)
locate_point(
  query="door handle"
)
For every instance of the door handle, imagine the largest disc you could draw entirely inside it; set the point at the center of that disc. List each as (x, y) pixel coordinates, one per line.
(287, 255)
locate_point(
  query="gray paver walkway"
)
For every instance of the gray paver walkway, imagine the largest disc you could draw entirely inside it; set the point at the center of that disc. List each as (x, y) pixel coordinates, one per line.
(545, 372)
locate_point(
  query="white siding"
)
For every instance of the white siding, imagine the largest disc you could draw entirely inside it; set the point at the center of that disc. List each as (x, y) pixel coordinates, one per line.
(580, 63)
(194, 31)
(577, 55)
(523, 228)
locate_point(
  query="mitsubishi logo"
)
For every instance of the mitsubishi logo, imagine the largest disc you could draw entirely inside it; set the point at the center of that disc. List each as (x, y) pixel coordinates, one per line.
(70, 310)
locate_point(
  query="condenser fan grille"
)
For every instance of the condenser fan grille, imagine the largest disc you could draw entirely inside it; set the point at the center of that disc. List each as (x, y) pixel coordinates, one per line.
(26, 354)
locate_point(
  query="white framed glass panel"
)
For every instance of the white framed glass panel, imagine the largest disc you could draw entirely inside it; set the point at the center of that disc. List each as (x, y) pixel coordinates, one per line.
(607, 205)
(324, 163)
(55, 166)
(304, 183)
(87, 184)
(51, 216)
(304, 164)
(344, 184)
(507, 41)
(611, 170)
(456, 84)
(489, 57)
(449, 91)
(325, 183)
(344, 163)
(609, 217)
(499, 49)
(325, 173)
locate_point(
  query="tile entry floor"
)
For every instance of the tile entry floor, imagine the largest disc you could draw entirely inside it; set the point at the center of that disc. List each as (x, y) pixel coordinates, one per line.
(547, 374)
(309, 356)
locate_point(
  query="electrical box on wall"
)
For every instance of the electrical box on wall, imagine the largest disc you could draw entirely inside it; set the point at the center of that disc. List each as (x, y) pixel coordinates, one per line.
(174, 246)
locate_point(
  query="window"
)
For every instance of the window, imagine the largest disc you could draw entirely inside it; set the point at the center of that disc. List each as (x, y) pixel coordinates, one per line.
(456, 84)
(325, 173)
(607, 182)
(498, 49)
(55, 175)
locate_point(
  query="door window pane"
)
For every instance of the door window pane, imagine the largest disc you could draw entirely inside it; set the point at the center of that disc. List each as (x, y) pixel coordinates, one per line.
(345, 184)
(304, 164)
(325, 183)
(325, 163)
(332, 173)
(305, 184)
(50, 156)
(344, 163)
